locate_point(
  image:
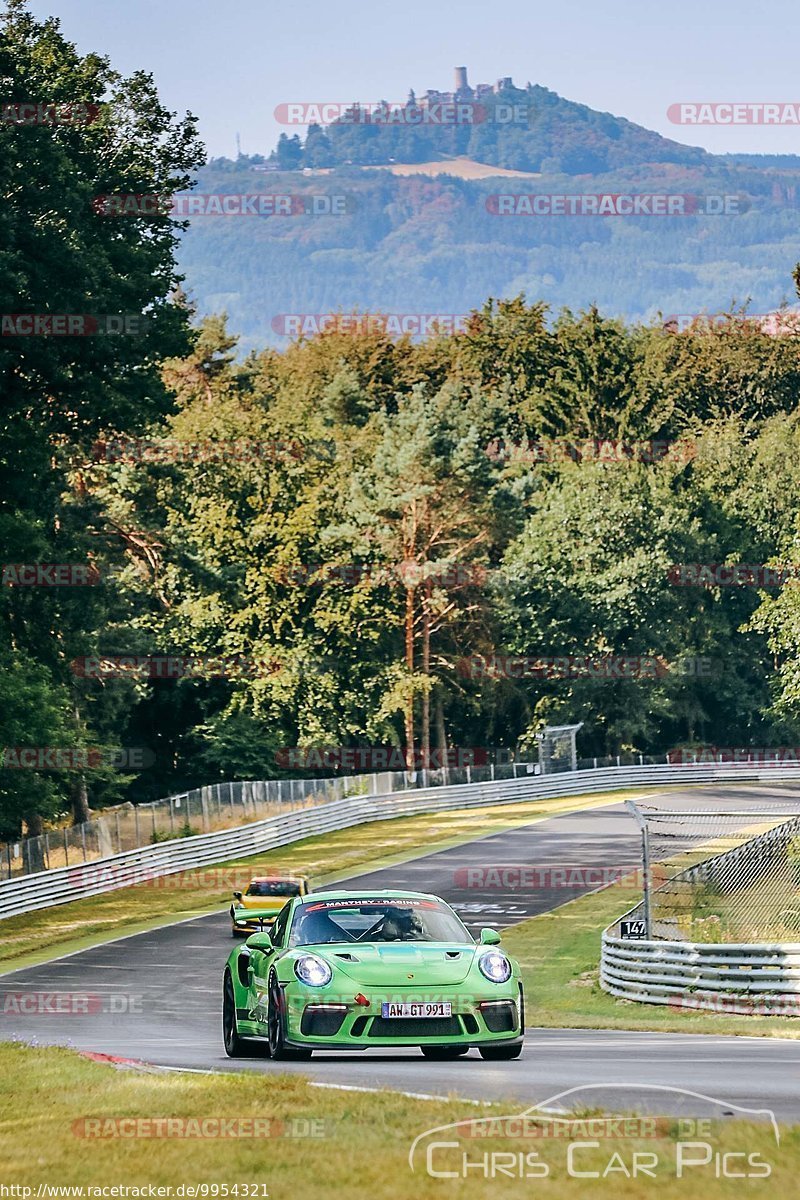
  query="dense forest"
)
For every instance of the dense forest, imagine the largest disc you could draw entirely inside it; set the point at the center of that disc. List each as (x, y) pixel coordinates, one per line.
(356, 540)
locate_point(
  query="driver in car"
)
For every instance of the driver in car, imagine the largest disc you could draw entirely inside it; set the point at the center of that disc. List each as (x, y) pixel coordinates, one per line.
(401, 925)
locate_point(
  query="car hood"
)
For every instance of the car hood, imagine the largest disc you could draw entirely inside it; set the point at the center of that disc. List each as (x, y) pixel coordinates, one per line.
(394, 963)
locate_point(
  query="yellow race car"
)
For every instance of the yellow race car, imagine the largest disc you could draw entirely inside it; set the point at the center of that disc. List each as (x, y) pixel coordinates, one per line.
(258, 907)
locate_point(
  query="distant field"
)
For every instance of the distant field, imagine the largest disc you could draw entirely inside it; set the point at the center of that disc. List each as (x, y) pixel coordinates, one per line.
(462, 167)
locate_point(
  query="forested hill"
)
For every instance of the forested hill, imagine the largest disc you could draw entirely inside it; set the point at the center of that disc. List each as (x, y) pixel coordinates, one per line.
(524, 129)
(431, 244)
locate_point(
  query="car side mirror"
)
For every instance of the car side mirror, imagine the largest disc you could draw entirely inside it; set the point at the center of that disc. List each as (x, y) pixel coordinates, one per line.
(237, 895)
(260, 941)
(490, 937)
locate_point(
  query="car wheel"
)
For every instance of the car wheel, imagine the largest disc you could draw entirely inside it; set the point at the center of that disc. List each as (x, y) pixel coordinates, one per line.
(443, 1053)
(276, 1027)
(234, 1045)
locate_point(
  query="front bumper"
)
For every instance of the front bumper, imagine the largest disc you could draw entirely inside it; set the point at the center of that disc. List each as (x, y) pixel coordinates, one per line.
(319, 1022)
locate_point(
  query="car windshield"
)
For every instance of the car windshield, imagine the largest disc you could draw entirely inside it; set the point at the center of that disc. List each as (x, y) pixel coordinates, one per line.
(273, 887)
(379, 920)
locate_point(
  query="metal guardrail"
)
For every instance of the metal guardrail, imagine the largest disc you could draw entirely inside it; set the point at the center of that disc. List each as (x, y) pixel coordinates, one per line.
(734, 978)
(63, 884)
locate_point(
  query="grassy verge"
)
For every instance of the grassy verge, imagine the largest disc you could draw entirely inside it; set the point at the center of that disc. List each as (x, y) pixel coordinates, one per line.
(559, 953)
(326, 858)
(360, 1148)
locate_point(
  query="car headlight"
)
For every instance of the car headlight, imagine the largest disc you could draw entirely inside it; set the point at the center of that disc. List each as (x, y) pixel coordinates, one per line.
(495, 966)
(312, 970)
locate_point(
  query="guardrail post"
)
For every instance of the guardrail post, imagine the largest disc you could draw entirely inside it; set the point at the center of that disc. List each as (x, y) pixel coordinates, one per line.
(83, 839)
(66, 849)
(119, 835)
(136, 825)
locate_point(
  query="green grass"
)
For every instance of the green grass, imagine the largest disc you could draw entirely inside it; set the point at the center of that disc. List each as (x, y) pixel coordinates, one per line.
(362, 1154)
(36, 937)
(559, 953)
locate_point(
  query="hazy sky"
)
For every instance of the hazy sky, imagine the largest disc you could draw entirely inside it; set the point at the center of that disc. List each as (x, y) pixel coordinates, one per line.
(232, 62)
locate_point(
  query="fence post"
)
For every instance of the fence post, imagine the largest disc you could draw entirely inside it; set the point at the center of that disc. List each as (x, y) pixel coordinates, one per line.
(119, 835)
(83, 839)
(66, 850)
(47, 848)
(136, 825)
(646, 880)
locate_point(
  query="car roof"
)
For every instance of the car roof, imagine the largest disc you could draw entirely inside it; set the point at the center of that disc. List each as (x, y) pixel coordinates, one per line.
(367, 894)
(276, 878)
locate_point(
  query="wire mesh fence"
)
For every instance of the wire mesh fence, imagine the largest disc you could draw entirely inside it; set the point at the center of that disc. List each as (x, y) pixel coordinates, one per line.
(219, 806)
(714, 876)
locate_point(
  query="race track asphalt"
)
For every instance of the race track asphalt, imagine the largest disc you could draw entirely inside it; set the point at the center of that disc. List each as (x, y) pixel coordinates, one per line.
(156, 996)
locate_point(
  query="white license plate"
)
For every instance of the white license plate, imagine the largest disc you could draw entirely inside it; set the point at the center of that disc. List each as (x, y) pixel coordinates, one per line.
(416, 1009)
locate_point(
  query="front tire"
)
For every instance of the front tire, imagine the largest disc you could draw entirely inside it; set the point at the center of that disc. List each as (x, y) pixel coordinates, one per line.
(443, 1053)
(234, 1045)
(276, 1027)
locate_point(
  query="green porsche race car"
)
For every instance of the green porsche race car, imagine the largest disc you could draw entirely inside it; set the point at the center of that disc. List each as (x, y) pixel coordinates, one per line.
(350, 970)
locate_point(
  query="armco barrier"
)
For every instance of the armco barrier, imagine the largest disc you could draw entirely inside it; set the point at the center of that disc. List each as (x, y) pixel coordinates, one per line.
(63, 884)
(734, 978)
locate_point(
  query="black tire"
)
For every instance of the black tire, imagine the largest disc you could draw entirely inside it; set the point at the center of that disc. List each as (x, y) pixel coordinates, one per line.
(235, 1047)
(276, 1027)
(443, 1053)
